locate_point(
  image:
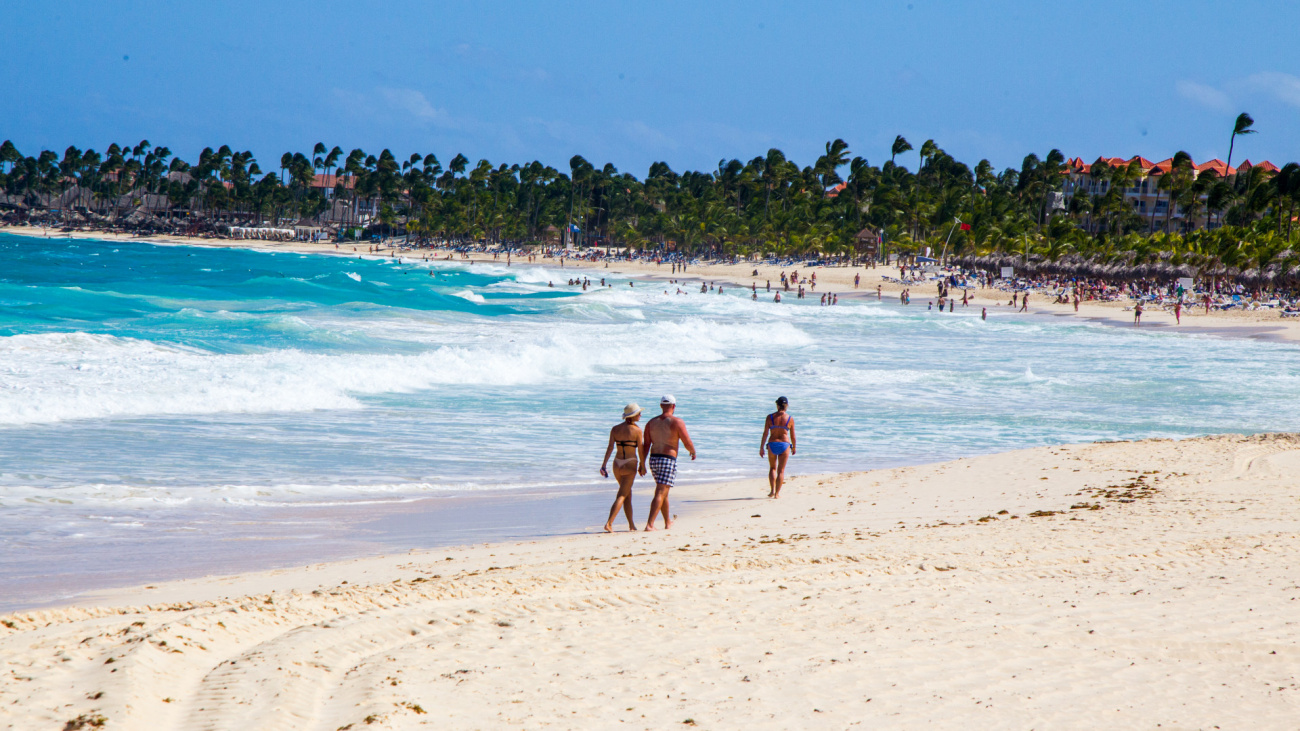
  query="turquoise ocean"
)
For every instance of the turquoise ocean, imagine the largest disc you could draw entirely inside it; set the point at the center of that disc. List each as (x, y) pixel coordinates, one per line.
(170, 411)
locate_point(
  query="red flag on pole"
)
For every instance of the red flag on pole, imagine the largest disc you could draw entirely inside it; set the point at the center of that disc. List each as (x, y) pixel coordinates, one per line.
(965, 227)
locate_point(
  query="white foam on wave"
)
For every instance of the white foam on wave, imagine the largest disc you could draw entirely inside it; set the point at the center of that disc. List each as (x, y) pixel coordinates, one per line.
(115, 497)
(62, 376)
(353, 276)
(525, 274)
(471, 296)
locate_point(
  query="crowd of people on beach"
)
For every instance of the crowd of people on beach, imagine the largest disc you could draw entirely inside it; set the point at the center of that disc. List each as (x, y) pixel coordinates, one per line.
(653, 449)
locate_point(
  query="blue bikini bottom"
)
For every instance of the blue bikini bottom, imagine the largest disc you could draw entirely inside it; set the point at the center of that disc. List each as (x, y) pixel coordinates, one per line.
(778, 448)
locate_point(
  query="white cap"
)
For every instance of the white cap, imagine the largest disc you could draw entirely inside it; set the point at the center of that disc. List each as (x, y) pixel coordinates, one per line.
(668, 400)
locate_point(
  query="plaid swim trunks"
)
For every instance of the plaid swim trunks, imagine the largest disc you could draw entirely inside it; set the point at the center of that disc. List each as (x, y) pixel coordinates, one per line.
(664, 468)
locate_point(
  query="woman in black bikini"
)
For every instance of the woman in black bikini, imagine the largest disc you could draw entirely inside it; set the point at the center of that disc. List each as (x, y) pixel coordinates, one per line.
(626, 437)
(779, 443)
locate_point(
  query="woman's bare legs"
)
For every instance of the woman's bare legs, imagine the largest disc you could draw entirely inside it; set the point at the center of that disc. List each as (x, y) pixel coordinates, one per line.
(776, 475)
(622, 500)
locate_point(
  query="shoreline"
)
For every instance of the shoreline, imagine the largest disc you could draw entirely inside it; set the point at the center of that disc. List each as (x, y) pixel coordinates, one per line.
(1267, 326)
(1105, 315)
(1049, 586)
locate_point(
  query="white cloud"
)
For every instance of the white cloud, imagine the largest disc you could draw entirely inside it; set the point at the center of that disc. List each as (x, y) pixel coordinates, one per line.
(647, 136)
(414, 103)
(1284, 87)
(1204, 95)
(561, 130)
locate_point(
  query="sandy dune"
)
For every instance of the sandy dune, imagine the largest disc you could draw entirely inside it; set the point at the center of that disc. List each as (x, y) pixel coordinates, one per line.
(1163, 593)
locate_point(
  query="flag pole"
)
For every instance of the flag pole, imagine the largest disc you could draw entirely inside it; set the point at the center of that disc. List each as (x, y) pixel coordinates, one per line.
(955, 223)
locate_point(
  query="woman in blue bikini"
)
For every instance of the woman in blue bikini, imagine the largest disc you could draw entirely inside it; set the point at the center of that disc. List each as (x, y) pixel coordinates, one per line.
(779, 444)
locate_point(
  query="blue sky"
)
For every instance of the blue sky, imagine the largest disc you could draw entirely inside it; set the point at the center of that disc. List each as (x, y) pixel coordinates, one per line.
(631, 83)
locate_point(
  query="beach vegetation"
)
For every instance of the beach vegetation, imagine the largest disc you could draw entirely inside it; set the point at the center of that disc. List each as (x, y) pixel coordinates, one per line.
(1050, 215)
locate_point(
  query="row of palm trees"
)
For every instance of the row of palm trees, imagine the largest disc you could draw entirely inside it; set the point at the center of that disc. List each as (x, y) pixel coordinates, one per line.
(766, 205)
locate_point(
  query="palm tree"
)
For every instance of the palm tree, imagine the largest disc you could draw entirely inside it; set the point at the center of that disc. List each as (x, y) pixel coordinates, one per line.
(900, 146)
(1176, 181)
(10, 155)
(837, 153)
(1241, 127)
(1287, 183)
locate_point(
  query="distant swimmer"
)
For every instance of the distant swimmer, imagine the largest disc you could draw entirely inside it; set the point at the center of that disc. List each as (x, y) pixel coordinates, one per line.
(662, 435)
(626, 438)
(777, 299)
(779, 443)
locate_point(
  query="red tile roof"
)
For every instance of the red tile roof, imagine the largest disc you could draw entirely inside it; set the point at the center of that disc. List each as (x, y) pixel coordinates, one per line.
(1216, 167)
(1266, 165)
(320, 180)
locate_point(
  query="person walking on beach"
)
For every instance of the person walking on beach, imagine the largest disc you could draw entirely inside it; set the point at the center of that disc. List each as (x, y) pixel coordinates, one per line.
(1178, 312)
(779, 443)
(1024, 302)
(626, 438)
(1137, 314)
(662, 435)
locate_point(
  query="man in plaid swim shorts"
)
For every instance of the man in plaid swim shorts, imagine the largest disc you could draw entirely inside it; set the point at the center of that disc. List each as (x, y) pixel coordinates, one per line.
(662, 435)
(664, 469)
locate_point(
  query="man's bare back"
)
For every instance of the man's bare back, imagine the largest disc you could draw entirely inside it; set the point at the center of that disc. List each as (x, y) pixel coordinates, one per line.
(664, 433)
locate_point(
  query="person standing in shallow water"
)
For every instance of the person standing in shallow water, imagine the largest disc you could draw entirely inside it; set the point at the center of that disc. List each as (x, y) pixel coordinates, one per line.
(778, 442)
(626, 438)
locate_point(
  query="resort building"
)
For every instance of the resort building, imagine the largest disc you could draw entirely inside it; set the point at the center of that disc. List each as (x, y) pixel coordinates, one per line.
(1146, 196)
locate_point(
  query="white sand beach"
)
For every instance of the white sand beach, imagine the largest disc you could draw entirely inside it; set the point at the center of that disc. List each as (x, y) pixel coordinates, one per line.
(1115, 585)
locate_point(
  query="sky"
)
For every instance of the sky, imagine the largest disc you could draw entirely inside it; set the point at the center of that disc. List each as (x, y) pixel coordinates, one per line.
(687, 83)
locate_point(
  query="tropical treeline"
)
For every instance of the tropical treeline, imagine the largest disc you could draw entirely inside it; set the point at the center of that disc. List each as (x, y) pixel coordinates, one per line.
(835, 206)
